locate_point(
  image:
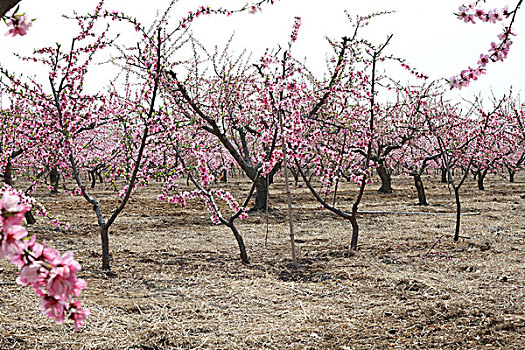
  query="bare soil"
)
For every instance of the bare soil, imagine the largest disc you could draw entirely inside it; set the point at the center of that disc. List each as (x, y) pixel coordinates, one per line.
(177, 281)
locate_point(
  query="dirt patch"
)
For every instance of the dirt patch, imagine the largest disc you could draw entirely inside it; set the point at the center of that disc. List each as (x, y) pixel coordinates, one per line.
(178, 281)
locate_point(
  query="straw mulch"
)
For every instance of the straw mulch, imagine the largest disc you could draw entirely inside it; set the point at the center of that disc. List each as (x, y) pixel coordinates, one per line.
(178, 283)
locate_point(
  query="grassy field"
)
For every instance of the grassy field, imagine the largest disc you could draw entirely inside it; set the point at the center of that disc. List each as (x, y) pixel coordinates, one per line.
(178, 283)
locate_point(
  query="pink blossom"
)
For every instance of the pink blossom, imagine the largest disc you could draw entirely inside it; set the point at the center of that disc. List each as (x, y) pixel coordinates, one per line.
(62, 280)
(464, 15)
(497, 52)
(483, 60)
(20, 25)
(11, 203)
(31, 274)
(481, 15)
(495, 16)
(53, 308)
(505, 11)
(78, 315)
(12, 243)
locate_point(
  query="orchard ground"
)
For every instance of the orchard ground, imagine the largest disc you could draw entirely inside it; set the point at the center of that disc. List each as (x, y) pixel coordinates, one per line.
(178, 281)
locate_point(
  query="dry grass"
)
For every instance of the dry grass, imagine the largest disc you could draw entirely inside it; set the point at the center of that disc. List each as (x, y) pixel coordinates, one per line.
(179, 283)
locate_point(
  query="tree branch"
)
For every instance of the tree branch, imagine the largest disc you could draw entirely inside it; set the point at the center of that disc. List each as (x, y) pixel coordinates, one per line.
(6, 5)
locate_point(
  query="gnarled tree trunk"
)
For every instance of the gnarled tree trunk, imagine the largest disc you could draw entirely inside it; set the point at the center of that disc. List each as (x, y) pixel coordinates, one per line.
(261, 194)
(386, 180)
(480, 179)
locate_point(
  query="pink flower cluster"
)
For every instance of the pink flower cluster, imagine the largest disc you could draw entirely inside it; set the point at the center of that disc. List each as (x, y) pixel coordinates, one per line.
(52, 276)
(497, 51)
(464, 78)
(19, 25)
(469, 13)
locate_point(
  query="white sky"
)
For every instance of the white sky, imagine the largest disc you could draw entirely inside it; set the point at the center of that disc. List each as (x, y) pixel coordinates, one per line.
(426, 33)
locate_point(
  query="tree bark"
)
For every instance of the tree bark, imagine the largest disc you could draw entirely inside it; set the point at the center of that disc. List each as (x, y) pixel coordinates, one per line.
(6, 5)
(295, 175)
(261, 194)
(386, 180)
(444, 176)
(481, 178)
(240, 242)
(30, 219)
(8, 174)
(458, 213)
(421, 196)
(53, 178)
(91, 175)
(512, 175)
(104, 238)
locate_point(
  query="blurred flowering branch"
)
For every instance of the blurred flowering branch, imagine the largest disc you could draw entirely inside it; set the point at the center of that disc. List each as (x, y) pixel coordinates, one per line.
(498, 50)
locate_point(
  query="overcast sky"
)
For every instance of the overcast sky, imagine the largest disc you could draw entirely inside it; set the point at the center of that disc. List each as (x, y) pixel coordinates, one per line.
(426, 33)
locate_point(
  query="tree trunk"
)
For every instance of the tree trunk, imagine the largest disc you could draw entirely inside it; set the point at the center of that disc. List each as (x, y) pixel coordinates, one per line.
(481, 177)
(295, 175)
(30, 219)
(261, 194)
(421, 196)
(458, 213)
(512, 175)
(8, 174)
(93, 179)
(335, 192)
(355, 231)
(240, 242)
(53, 178)
(444, 176)
(386, 180)
(104, 237)
(223, 177)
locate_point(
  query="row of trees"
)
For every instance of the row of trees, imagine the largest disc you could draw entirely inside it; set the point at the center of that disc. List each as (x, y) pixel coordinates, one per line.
(166, 117)
(217, 111)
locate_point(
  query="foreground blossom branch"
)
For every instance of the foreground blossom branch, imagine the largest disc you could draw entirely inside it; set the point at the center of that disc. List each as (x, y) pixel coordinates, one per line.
(51, 275)
(18, 23)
